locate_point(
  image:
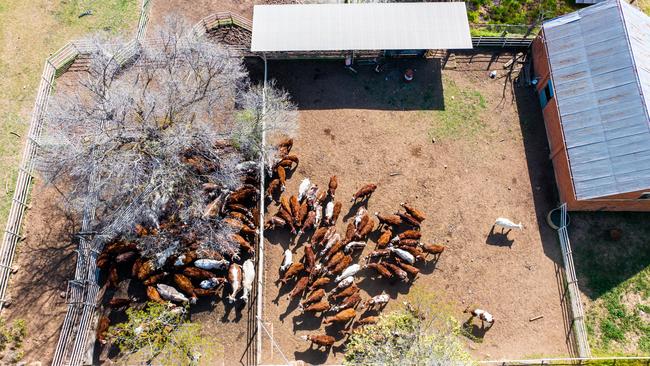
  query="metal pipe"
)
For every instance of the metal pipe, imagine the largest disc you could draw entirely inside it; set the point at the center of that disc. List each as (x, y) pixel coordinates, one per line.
(260, 259)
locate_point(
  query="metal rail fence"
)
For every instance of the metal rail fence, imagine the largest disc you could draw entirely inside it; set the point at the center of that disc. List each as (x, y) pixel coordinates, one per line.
(55, 65)
(74, 339)
(577, 312)
(596, 361)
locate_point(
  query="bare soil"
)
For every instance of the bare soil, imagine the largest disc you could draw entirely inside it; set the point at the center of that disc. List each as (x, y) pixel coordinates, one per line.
(45, 260)
(462, 183)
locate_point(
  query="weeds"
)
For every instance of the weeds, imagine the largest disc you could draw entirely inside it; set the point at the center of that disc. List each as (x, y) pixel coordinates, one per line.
(11, 341)
(616, 274)
(517, 11)
(461, 114)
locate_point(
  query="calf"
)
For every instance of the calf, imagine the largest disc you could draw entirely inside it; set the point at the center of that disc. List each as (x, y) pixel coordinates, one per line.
(377, 300)
(313, 297)
(319, 307)
(287, 260)
(384, 239)
(343, 264)
(341, 317)
(302, 189)
(234, 278)
(185, 285)
(102, 328)
(349, 291)
(415, 213)
(397, 271)
(382, 270)
(350, 302)
(170, 294)
(481, 314)
(408, 234)
(364, 192)
(293, 270)
(333, 185)
(249, 277)
(299, 288)
(389, 220)
(320, 340)
(336, 212)
(320, 282)
(309, 258)
(154, 296)
(434, 249)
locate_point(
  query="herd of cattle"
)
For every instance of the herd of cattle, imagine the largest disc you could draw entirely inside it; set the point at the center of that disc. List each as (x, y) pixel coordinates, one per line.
(324, 279)
(189, 270)
(332, 260)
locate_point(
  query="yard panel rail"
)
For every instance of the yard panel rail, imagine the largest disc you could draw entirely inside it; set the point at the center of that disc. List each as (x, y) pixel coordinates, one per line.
(577, 312)
(75, 339)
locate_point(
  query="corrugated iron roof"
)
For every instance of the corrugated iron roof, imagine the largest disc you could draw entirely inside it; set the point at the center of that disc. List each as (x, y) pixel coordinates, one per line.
(340, 27)
(600, 62)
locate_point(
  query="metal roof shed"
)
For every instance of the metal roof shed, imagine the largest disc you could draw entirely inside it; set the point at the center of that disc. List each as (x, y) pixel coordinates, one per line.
(598, 90)
(341, 27)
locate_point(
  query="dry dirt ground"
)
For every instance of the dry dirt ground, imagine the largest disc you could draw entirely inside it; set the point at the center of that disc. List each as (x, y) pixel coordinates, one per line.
(45, 262)
(350, 129)
(358, 128)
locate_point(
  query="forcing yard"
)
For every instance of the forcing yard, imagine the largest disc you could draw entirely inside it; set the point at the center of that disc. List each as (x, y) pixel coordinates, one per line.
(457, 145)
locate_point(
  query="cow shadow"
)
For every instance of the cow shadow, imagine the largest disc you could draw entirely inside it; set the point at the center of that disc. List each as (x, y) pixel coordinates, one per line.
(307, 321)
(291, 306)
(355, 206)
(229, 308)
(313, 355)
(474, 331)
(499, 239)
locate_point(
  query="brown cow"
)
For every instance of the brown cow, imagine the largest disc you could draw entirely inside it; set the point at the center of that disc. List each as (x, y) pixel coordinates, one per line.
(364, 192)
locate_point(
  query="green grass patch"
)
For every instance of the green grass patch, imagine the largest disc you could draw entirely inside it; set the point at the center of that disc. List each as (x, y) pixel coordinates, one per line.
(30, 31)
(461, 113)
(11, 341)
(644, 5)
(616, 274)
(518, 11)
(107, 15)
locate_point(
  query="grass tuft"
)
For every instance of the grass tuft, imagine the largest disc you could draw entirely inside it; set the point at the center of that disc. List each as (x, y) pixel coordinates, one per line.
(461, 114)
(616, 275)
(30, 31)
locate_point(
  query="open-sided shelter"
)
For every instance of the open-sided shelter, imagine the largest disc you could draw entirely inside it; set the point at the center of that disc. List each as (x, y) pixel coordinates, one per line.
(335, 30)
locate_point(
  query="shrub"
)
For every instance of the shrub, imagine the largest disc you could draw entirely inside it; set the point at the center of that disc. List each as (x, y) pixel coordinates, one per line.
(421, 333)
(161, 333)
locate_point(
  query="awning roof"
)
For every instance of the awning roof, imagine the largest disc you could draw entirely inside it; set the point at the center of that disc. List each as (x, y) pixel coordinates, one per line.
(378, 26)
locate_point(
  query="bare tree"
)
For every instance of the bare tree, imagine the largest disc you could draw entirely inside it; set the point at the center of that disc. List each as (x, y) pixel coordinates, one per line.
(139, 142)
(270, 112)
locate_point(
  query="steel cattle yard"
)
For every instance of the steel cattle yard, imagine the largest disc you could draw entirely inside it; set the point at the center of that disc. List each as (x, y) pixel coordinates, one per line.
(370, 93)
